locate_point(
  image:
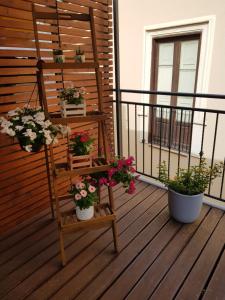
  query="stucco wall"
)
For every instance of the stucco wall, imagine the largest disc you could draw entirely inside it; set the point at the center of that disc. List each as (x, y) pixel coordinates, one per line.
(135, 15)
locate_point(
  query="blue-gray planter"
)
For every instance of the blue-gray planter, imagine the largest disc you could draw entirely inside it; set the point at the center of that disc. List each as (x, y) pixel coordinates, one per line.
(184, 208)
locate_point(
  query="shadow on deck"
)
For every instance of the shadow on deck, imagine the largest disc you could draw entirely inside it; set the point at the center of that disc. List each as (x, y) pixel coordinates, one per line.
(159, 258)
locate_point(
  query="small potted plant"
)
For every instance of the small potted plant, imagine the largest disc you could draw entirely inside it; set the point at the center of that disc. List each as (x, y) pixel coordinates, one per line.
(121, 171)
(72, 102)
(58, 56)
(185, 191)
(80, 145)
(79, 56)
(31, 128)
(85, 196)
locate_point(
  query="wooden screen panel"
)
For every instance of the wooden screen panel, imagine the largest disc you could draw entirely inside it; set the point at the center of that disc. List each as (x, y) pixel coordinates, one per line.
(23, 181)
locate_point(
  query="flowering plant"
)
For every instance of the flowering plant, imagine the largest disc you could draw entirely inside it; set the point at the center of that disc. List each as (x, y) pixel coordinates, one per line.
(73, 95)
(84, 192)
(121, 171)
(31, 128)
(81, 143)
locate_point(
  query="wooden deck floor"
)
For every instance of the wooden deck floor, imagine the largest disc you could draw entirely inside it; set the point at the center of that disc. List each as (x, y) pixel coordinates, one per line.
(159, 259)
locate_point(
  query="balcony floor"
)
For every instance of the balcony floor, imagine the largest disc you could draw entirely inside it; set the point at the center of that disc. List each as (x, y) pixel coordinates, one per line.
(159, 259)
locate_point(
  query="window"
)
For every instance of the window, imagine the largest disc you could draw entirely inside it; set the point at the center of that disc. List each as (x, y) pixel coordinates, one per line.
(174, 68)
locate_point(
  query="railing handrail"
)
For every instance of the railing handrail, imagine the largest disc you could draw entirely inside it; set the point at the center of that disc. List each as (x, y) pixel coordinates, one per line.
(195, 95)
(174, 107)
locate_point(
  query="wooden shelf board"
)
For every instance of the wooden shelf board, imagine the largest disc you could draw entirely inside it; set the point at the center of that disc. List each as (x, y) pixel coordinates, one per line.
(61, 16)
(70, 65)
(90, 117)
(103, 216)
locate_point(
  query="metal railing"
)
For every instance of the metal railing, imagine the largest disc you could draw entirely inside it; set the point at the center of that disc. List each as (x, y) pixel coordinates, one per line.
(153, 133)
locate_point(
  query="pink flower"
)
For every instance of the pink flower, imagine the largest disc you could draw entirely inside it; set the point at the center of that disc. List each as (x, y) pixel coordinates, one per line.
(112, 182)
(77, 197)
(112, 171)
(120, 164)
(129, 161)
(83, 193)
(82, 185)
(91, 189)
(103, 180)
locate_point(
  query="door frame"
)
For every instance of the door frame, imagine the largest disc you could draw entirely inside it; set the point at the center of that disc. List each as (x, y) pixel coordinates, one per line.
(203, 25)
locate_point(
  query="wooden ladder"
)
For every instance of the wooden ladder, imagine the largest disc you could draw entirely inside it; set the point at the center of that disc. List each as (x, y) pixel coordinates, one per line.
(104, 213)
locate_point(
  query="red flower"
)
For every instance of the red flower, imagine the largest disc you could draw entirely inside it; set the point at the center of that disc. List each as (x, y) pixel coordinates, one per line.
(103, 180)
(112, 182)
(112, 171)
(129, 161)
(132, 170)
(84, 138)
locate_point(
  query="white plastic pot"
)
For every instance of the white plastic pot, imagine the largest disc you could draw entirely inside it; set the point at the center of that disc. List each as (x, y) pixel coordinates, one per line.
(184, 208)
(85, 213)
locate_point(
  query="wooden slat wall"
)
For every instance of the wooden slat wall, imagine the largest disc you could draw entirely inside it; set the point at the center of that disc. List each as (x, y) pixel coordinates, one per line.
(23, 181)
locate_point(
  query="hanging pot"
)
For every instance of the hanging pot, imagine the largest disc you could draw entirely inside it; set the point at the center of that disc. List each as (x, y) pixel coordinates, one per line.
(85, 213)
(35, 147)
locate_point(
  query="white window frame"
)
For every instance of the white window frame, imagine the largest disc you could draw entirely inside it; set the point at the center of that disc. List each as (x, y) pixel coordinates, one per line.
(204, 25)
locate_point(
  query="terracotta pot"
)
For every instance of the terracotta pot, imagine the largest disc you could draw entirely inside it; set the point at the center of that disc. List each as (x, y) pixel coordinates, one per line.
(85, 213)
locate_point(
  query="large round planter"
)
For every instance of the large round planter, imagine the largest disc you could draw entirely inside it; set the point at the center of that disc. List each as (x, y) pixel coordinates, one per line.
(85, 213)
(184, 208)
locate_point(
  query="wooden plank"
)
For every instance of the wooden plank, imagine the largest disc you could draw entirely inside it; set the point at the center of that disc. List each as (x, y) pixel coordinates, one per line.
(170, 283)
(146, 272)
(126, 235)
(193, 286)
(216, 288)
(49, 256)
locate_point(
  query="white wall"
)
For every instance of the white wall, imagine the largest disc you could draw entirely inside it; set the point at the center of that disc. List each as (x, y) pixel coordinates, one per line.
(135, 15)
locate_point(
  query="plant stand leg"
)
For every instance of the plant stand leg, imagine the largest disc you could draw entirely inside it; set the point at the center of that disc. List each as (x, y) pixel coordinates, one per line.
(62, 250)
(114, 230)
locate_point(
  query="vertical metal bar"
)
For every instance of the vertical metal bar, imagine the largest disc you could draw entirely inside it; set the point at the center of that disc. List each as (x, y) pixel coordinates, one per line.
(135, 128)
(179, 145)
(203, 135)
(152, 117)
(222, 180)
(128, 129)
(213, 150)
(170, 137)
(189, 154)
(160, 136)
(143, 140)
(117, 76)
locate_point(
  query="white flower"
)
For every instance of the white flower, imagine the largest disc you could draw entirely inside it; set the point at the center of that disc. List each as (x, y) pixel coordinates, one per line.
(47, 123)
(14, 112)
(31, 134)
(19, 128)
(28, 148)
(8, 131)
(5, 123)
(25, 119)
(39, 116)
(55, 141)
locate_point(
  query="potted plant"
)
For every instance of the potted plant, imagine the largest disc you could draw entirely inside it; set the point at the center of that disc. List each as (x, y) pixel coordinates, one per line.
(58, 56)
(31, 128)
(85, 196)
(80, 145)
(121, 171)
(73, 102)
(185, 191)
(80, 56)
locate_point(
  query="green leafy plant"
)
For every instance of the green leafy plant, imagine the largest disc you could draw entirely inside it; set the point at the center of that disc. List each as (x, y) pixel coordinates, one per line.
(72, 95)
(85, 194)
(81, 143)
(57, 52)
(193, 181)
(79, 51)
